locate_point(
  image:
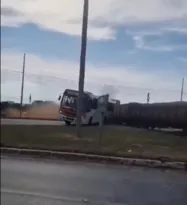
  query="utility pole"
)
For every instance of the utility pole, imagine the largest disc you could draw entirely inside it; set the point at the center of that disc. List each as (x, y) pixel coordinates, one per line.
(22, 85)
(148, 98)
(82, 64)
(30, 98)
(182, 90)
(102, 105)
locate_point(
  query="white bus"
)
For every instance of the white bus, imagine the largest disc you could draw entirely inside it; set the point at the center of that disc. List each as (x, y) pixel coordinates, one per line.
(90, 111)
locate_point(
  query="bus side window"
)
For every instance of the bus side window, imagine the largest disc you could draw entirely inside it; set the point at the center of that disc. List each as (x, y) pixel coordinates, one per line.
(111, 107)
(89, 106)
(94, 104)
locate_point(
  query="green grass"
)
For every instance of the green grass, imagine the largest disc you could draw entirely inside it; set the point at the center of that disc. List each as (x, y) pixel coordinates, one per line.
(120, 141)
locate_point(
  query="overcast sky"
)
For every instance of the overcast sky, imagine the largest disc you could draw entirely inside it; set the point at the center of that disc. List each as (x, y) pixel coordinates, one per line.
(134, 47)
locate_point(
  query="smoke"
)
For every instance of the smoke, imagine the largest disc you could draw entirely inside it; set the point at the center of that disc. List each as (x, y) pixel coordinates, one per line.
(109, 89)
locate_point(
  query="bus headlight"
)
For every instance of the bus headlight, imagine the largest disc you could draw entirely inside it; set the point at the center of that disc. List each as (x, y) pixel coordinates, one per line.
(83, 116)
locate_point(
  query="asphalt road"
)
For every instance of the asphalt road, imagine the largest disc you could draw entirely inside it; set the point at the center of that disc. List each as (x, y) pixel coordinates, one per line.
(46, 182)
(29, 122)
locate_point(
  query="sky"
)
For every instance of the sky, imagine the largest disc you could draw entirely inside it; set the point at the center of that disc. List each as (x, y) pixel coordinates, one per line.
(134, 47)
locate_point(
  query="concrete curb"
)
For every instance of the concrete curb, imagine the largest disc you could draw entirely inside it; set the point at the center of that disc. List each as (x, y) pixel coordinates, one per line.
(95, 158)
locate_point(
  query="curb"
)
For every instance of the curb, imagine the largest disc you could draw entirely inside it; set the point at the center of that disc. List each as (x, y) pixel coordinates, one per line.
(95, 158)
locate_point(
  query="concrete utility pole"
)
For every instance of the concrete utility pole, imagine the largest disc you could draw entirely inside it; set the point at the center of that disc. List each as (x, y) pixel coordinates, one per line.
(102, 105)
(22, 85)
(182, 89)
(82, 64)
(30, 98)
(148, 98)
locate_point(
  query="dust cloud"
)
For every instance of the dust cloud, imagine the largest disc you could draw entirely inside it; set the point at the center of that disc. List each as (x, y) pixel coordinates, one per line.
(36, 112)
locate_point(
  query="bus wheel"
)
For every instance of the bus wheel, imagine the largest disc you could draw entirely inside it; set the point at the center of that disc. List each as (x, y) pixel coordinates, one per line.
(90, 121)
(67, 123)
(185, 131)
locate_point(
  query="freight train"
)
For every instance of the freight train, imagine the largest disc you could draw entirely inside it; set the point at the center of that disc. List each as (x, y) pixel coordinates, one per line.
(155, 115)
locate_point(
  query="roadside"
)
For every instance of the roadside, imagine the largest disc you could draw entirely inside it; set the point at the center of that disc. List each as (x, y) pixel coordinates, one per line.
(116, 141)
(49, 154)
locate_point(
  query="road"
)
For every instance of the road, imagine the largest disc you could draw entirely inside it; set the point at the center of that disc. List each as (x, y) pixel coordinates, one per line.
(46, 182)
(29, 122)
(58, 123)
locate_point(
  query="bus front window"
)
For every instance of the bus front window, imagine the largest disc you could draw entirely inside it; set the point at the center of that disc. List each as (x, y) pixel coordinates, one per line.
(72, 101)
(69, 101)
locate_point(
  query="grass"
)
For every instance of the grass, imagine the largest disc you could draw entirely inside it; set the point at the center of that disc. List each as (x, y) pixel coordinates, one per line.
(117, 141)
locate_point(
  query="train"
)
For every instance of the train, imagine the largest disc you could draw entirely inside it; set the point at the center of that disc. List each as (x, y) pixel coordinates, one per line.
(154, 115)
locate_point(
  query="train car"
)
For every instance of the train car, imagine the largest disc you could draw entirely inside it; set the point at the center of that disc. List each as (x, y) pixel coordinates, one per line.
(160, 115)
(113, 112)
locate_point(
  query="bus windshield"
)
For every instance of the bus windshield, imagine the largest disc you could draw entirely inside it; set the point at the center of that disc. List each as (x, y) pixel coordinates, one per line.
(69, 101)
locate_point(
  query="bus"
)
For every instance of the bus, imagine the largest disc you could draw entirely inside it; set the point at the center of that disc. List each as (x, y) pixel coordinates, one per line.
(90, 113)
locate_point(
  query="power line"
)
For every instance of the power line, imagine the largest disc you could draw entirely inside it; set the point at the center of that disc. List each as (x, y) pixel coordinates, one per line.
(45, 77)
